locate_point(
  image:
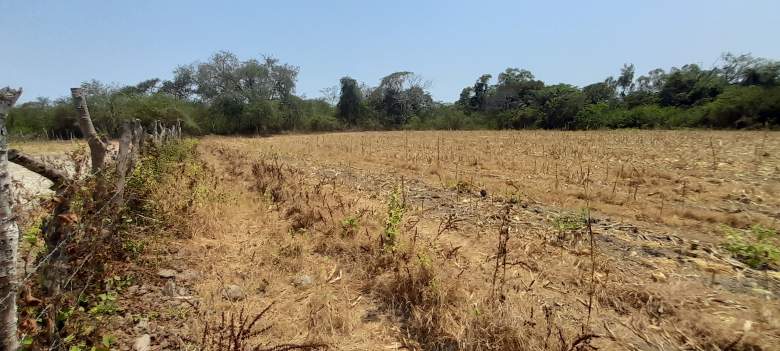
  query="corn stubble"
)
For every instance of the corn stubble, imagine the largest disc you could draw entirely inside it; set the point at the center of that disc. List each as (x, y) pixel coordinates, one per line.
(490, 240)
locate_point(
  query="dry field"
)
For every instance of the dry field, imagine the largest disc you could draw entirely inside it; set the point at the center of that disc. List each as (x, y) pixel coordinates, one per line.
(682, 179)
(472, 241)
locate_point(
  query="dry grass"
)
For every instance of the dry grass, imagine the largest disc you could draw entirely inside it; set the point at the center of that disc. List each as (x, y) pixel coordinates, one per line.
(483, 258)
(47, 147)
(661, 177)
(433, 289)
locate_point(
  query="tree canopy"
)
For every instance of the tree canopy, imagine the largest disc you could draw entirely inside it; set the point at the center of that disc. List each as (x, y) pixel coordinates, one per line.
(227, 95)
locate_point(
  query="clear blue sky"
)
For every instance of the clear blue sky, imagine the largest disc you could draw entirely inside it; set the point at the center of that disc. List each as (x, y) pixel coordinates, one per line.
(51, 45)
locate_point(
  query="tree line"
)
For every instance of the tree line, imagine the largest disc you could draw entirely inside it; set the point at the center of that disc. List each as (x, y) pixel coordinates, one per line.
(226, 95)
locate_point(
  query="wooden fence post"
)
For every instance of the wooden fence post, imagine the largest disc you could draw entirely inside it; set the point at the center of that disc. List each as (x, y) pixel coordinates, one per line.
(124, 160)
(9, 233)
(97, 147)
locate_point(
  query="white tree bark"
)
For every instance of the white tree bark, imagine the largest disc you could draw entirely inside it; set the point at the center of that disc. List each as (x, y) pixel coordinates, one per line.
(9, 233)
(124, 161)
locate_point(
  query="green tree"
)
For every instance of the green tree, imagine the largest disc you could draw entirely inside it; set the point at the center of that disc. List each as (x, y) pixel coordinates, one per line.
(626, 79)
(690, 85)
(481, 90)
(350, 102)
(560, 104)
(598, 92)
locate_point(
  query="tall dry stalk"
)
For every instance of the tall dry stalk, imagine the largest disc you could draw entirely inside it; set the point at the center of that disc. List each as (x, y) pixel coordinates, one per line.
(501, 255)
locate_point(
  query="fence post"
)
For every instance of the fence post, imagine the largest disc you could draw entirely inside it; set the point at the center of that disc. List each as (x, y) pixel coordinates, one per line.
(97, 148)
(9, 233)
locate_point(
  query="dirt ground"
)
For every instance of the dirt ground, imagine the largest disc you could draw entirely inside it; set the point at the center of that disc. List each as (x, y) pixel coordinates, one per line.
(27, 185)
(488, 251)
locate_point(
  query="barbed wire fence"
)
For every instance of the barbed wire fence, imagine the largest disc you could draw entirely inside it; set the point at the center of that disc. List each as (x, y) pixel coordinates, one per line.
(58, 234)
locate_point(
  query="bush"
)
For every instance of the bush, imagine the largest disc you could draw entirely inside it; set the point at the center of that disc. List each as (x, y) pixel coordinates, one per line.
(756, 247)
(743, 107)
(603, 115)
(443, 118)
(321, 123)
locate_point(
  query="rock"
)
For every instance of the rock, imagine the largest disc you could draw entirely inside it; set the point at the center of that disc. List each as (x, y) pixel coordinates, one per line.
(132, 289)
(233, 293)
(169, 289)
(187, 275)
(303, 281)
(659, 277)
(371, 316)
(262, 287)
(143, 325)
(166, 273)
(142, 343)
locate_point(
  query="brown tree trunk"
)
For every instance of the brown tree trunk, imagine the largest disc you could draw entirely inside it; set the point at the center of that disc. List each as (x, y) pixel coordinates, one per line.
(97, 148)
(56, 176)
(138, 139)
(9, 233)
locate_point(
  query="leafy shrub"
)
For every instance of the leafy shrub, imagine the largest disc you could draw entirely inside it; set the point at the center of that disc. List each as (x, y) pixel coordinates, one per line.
(756, 247)
(571, 222)
(395, 214)
(741, 107)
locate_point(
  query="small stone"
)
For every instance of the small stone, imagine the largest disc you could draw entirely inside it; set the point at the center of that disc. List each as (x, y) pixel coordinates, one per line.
(303, 281)
(142, 343)
(659, 277)
(233, 293)
(370, 316)
(169, 289)
(262, 287)
(132, 289)
(187, 275)
(143, 324)
(166, 273)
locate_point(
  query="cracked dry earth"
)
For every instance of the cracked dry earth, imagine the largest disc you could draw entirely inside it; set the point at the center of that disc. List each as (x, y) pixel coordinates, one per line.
(652, 287)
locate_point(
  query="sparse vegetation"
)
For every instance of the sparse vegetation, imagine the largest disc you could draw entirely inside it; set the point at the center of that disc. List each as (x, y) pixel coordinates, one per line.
(433, 274)
(395, 215)
(226, 206)
(757, 247)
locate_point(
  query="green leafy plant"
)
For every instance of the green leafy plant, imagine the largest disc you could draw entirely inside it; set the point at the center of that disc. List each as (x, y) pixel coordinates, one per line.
(395, 214)
(756, 247)
(134, 247)
(349, 226)
(32, 234)
(571, 222)
(106, 305)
